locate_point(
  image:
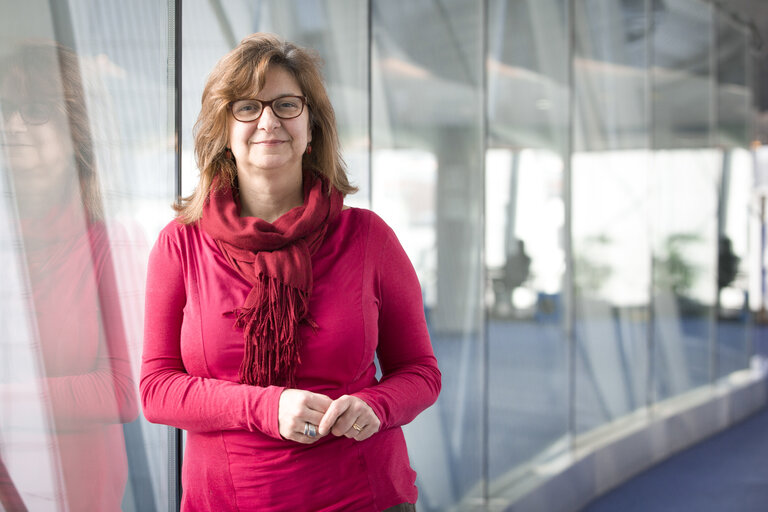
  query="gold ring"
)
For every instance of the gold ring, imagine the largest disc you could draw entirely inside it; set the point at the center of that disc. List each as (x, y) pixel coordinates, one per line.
(357, 427)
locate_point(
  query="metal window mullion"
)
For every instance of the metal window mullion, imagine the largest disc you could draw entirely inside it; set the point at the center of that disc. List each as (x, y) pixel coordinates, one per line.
(650, 390)
(568, 284)
(750, 81)
(370, 102)
(175, 436)
(485, 456)
(715, 142)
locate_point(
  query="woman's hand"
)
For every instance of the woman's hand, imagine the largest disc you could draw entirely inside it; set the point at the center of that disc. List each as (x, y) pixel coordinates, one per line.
(351, 417)
(296, 409)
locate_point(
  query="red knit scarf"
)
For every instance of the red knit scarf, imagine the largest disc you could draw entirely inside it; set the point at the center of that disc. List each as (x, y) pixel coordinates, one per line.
(275, 259)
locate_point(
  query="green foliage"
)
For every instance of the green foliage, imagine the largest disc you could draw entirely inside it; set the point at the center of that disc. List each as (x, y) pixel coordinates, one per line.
(588, 274)
(672, 270)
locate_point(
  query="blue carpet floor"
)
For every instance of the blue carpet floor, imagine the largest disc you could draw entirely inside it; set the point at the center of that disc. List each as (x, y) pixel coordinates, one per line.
(725, 473)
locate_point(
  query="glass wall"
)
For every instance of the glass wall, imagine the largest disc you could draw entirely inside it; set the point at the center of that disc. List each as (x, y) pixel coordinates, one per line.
(87, 177)
(525, 165)
(571, 179)
(684, 227)
(610, 209)
(427, 147)
(735, 202)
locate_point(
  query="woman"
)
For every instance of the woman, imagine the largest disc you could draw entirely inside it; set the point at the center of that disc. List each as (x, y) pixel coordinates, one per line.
(267, 301)
(74, 313)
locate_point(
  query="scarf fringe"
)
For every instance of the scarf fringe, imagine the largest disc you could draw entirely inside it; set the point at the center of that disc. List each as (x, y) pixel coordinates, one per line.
(268, 256)
(270, 321)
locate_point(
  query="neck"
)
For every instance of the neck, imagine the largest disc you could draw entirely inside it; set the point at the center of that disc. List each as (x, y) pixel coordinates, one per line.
(269, 197)
(38, 204)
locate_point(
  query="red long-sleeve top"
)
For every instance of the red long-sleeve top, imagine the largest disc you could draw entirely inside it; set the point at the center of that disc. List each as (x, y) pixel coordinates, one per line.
(366, 300)
(85, 373)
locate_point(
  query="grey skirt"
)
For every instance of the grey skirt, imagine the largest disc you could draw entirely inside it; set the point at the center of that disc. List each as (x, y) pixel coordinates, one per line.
(403, 507)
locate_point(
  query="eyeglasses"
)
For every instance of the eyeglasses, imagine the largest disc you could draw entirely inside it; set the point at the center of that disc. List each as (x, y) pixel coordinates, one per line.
(284, 107)
(32, 112)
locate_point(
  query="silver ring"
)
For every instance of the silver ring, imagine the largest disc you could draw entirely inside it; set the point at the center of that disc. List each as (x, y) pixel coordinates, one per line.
(309, 429)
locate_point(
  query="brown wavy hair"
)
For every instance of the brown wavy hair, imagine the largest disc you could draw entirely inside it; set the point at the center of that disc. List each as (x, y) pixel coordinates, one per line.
(50, 71)
(241, 74)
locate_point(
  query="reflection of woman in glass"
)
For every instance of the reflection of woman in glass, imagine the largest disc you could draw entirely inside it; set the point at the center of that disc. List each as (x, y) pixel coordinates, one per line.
(85, 372)
(283, 411)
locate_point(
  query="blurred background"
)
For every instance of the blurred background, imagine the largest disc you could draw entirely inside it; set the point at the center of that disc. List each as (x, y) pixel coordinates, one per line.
(580, 185)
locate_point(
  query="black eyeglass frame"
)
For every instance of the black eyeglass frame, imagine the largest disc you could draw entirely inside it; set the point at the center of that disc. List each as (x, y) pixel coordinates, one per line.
(264, 104)
(8, 108)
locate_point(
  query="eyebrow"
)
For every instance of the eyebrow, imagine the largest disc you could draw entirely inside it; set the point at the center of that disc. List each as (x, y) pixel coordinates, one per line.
(284, 94)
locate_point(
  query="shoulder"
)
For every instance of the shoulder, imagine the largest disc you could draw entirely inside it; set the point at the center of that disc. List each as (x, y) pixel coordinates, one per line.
(178, 230)
(176, 236)
(369, 221)
(377, 237)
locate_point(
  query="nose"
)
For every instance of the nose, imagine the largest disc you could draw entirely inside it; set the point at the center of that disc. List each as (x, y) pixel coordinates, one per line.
(14, 122)
(268, 120)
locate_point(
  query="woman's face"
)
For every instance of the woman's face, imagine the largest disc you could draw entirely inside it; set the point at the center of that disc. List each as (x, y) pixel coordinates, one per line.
(36, 141)
(270, 144)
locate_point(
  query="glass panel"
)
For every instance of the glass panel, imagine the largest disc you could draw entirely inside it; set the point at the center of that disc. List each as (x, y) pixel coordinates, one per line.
(524, 222)
(611, 248)
(30, 477)
(427, 184)
(734, 316)
(736, 182)
(86, 172)
(336, 29)
(734, 96)
(684, 224)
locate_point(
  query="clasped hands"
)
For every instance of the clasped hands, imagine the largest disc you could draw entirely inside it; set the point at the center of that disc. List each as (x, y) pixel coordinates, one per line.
(347, 416)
